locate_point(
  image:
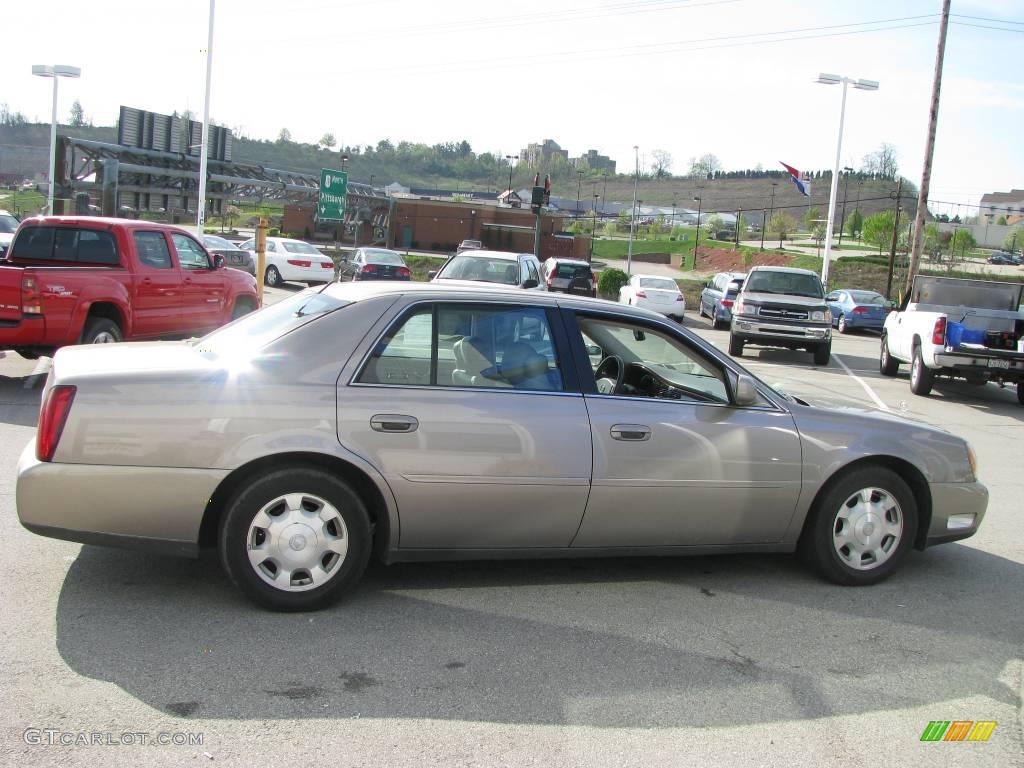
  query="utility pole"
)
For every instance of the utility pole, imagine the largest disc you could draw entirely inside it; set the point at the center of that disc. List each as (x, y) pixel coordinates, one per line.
(739, 215)
(842, 217)
(926, 173)
(764, 226)
(632, 218)
(895, 237)
(771, 213)
(579, 185)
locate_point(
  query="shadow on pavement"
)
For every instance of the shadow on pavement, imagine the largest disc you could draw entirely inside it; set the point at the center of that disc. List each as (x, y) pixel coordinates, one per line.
(703, 641)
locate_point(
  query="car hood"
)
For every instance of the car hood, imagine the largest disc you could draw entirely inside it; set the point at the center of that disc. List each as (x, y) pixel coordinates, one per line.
(782, 298)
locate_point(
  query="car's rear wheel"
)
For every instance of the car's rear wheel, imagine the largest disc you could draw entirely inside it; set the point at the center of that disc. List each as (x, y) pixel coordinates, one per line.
(1020, 392)
(822, 354)
(861, 529)
(295, 539)
(887, 364)
(735, 345)
(272, 277)
(921, 376)
(242, 307)
(100, 330)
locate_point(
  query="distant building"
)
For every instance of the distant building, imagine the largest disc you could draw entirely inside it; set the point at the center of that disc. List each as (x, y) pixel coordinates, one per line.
(540, 155)
(511, 198)
(394, 188)
(594, 161)
(995, 205)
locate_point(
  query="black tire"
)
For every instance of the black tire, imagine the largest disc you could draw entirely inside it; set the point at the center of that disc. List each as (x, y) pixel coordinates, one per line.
(887, 364)
(100, 330)
(233, 539)
(822, 354)
(1020, 392)
(272, 277)
(700, 308)
(818, 547)
(841, 324)
(735, 345)
(921, 377)
(242, 307)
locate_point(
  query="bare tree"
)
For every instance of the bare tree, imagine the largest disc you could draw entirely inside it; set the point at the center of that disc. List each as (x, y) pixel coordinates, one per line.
(661, 165)
(882, 162)
(704, 166)
(77, 118)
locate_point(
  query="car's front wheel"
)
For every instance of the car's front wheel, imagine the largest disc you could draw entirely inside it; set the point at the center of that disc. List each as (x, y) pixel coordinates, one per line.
(842, 324)
(822, 354)
(860, 531)
(295, 539)
(735, 345)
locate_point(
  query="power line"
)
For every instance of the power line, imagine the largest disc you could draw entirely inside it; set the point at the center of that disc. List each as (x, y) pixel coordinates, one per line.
(983, 26)
(985, 18)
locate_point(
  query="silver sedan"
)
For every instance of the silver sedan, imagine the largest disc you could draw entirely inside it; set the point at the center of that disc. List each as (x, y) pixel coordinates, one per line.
(423, 421)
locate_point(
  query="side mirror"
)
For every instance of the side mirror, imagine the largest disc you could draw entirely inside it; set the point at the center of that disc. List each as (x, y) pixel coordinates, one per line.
(431, 274)
(530, 283)
(746, 391)
(218, 261)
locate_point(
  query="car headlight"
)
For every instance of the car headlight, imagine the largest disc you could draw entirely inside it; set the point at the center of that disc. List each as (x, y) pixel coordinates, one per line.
(817, 317)
(972, 459)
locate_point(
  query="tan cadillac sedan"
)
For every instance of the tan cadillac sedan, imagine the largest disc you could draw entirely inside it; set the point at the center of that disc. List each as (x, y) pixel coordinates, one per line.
(422, 421)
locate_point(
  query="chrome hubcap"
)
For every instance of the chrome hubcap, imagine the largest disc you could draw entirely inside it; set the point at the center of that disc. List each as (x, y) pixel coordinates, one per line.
(104, 337)
(867, 529)
(297, 542)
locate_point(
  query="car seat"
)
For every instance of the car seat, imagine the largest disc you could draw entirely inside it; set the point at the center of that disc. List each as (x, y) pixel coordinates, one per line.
(525, 368)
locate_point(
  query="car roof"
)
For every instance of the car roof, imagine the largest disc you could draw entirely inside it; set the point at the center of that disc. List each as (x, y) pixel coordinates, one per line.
(655, 277)
(789, 270)
(508, 255)
(563, 260)
(103, 222)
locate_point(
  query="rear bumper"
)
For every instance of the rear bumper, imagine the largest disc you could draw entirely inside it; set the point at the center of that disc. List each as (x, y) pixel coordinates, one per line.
(957, 511)
(156, 509)
(989, 365)
(27, 331)
(675, 309)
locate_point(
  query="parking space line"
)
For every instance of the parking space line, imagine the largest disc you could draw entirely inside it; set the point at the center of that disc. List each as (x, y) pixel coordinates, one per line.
(871, 393)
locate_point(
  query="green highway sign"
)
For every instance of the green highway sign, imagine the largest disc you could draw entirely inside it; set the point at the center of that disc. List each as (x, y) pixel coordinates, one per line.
(333, 192)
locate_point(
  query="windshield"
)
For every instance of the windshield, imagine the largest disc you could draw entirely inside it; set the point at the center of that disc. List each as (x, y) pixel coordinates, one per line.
(296, 247)
(212, 241)
(482, 269)
(787, 283)
(254, 331)
(374, 256)
(8, 223)
(661, 283)
(867, 297)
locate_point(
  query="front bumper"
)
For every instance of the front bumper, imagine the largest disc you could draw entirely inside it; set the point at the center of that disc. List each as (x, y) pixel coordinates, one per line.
(155, 509)
(957, 511)
(752, 329)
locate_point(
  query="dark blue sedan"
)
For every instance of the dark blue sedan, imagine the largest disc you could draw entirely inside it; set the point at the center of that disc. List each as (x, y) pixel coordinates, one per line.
(857, 309)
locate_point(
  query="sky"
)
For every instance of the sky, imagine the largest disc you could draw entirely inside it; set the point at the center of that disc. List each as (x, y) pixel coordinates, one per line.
(735, 78)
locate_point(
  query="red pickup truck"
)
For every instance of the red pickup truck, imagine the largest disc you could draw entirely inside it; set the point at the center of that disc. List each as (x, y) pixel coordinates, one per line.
(88, 280)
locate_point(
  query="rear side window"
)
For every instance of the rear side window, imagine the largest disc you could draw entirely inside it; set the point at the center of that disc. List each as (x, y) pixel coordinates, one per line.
(85, 246)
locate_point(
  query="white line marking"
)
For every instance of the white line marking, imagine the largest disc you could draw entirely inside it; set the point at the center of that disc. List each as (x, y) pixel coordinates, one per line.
(864, 384)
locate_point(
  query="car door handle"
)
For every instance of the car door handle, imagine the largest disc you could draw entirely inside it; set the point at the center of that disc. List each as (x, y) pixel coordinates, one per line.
(633, 432)
(393, 422)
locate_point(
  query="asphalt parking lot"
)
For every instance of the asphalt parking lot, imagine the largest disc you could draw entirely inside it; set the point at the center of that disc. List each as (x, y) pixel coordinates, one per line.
(737, 660)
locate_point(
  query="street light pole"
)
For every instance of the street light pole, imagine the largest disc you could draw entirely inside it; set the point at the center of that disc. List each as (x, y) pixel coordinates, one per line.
(697, 239)
(846, 189)
(510, 158)
(864, 85)
(579, 185)
(204, 144)
(55, 72)
(632, 218)
(593, 226)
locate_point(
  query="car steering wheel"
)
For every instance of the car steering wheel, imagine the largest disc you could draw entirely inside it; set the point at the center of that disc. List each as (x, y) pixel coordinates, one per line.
(606, 383)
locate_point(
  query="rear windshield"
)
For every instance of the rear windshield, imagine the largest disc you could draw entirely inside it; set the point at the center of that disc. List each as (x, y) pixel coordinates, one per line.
(300, 248)
(482, 268)
(383, 257)
(212, 241)
(66, 244)
(655, 282)
(258, 329)
(786, 283)
(572, 270)
(867, 297)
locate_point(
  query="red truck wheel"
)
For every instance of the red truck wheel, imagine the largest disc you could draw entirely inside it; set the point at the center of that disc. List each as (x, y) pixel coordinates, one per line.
(100, 330)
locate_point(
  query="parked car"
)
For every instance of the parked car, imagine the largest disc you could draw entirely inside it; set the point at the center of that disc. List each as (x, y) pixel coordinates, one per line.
(718, 296)
(782, 307)
(8, 226)
(857, 309)
(559, 274)
(233, 255)
(521, 270)
(659, 294)
(292, 261)
(426, 422)
(374, 264)
(470, 245)
(957, 328)
(1001, 257)
(87, 280)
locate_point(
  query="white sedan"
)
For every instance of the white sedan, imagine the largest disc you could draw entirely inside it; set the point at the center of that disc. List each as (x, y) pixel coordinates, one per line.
(660, 294)
(292, 260)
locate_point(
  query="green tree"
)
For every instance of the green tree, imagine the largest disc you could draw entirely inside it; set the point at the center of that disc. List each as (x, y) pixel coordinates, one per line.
(742, 225)
(854, 223)
(77, 118)
(712, 224)
(781, 224)
(878, 229)
(284, 137)
(327, 141)
(810, 218)
(962, 242)
(936, 242)
(610, 281)
(1014, 239)
(1001, 220)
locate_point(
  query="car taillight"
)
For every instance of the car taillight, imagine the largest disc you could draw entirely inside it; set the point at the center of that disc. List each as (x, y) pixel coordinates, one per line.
(641, 294)
(939, 334)
(726, 303)
(327, 264)
(30, 299)
(549, 283)
(860, 310)
(679, 297)
(369, 268)
(52, 417)
(404, 272)
(299, 263)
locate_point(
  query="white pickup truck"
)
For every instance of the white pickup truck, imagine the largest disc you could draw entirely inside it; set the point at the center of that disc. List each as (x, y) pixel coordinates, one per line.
(969, 329)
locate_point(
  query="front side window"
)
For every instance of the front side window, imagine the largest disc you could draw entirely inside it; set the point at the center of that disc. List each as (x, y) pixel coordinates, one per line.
(629, 359)
(464, 345)
(190, 254)
(152, 250)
